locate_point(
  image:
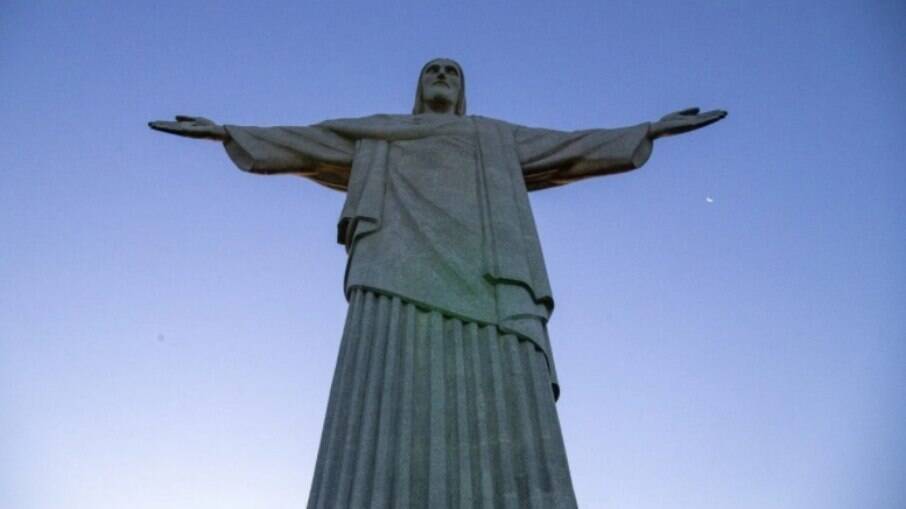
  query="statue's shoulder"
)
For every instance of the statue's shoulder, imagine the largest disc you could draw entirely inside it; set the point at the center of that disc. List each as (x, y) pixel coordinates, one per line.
(389, 117)
(395, 126)
(493, 121)
(368, 119)
(402, 119)
(481, 118)
(367, 126)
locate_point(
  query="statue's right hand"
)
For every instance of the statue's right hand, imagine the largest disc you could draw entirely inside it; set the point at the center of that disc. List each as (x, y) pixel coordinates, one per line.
(191, 127)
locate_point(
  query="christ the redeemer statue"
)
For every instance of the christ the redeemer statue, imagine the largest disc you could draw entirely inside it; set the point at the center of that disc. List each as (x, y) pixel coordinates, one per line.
(445, 386)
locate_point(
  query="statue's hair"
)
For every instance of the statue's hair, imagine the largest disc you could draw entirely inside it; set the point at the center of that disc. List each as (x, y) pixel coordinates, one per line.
(460, 108)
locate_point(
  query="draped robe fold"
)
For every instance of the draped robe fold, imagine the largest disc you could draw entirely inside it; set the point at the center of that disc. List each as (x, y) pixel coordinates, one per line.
(442, 393)
(437, 210)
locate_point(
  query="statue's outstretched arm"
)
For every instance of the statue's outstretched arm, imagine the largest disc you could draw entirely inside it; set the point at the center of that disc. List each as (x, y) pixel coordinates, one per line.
(314, 152)
(552, 158)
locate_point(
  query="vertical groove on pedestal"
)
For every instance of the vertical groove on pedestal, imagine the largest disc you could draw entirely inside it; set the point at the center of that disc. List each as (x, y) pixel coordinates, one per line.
(364, 454)
(402, 473)
(356, 395)
(431, 411)
(464, 439)
(506, 453)
(334, 425)
(480, 419)
(380, 477)
(437, 434)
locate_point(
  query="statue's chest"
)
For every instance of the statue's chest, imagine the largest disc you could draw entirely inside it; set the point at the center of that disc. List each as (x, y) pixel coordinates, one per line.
(448, 153)
(437, 179)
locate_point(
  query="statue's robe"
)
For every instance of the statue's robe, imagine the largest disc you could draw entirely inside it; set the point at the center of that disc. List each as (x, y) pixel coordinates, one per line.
(439, 232)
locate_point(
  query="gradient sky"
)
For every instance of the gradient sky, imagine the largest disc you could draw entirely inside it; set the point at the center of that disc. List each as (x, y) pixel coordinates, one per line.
(730, 328)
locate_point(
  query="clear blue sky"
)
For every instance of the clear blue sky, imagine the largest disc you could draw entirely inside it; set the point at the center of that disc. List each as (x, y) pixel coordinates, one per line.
(730, 329)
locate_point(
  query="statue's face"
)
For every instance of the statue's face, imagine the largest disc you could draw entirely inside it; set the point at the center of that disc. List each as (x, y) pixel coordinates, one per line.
(441, 81)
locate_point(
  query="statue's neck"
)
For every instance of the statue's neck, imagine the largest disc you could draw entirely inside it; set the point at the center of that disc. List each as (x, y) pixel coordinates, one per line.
(441, 107)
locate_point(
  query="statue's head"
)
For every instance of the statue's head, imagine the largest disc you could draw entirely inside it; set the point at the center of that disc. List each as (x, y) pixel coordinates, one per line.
(441, 81)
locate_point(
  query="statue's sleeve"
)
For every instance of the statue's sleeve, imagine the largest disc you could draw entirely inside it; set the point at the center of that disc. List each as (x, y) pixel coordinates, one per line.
(314, 152)
(553, 158)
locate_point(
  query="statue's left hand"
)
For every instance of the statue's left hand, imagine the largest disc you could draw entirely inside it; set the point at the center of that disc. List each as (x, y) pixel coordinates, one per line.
(191, 127)
(684, 121)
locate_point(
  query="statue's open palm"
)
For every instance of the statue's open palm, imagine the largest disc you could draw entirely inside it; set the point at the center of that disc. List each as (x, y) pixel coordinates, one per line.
(684, 121)
(191, 127)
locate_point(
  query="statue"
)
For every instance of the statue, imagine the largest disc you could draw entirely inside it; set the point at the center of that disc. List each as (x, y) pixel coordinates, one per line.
(445, 386)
